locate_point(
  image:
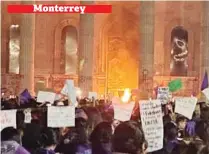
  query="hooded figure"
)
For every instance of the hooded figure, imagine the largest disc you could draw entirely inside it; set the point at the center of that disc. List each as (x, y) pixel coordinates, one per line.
(10, 142)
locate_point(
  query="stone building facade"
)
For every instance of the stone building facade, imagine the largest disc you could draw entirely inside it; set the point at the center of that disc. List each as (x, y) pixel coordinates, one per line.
(129, 48)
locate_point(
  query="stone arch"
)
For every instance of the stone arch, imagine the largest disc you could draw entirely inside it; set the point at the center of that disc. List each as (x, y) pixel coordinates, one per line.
(109, 22)
(107, 26)
(58, 46)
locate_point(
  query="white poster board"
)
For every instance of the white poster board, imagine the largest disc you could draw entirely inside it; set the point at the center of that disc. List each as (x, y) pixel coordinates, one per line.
(70, 91)
(64, 90)
(45, 96)
(163, 94)
(206, 93)
(122, 111)
(152, 123)
(185, 106)
(92, 95)
(61, 116)
(72, 95)
(8, 118)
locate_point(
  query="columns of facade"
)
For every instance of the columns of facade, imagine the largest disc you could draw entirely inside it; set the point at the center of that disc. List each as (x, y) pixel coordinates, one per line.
(86, 41)
(205, 39)
(27, 40)
(146, 57)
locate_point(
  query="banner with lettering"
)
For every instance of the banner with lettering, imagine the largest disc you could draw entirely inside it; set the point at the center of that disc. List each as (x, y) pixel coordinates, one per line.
(152, 123)
(61, 116)
(163, 94)
(185, 106)
(8, 118)
(122, 111)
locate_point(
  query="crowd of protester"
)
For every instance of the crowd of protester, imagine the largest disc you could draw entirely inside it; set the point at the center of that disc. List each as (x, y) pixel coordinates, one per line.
(97, 132)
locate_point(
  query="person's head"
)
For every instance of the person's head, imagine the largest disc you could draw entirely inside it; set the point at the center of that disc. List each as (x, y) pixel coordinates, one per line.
(80, 122)
(10, 133)
(48, 138)
(129, 138)
(202, 130)
(181, 122)
(79, 132)
(94, 117)
(102, 133)
(80, 113)
(170, 131)
(205, 113)
(166, 119)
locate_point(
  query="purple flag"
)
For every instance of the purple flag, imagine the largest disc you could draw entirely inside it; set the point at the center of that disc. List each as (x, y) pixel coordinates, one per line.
(25, 96)
(205, 81)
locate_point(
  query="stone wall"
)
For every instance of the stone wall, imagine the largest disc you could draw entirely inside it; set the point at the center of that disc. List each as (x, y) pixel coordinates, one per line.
(166, 16)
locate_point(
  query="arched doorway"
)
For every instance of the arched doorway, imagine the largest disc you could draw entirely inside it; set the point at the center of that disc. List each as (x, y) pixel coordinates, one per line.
(120, 48)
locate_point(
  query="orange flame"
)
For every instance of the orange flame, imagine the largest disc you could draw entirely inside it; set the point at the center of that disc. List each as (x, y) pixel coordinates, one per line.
(126, 96)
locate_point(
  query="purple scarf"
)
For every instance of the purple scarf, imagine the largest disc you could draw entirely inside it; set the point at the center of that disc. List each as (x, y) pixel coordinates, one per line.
(25, 96)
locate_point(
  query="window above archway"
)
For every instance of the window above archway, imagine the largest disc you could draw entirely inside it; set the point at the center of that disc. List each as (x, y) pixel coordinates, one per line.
(69, 50)
(14, 48)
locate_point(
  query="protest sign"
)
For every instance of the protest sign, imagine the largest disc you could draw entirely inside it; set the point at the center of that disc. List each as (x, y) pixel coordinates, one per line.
(70, 91)
(64, 90)
(44, 96)
(152, 123)
(28, 116)
(92, 95)
(122, 111)
(39, 86)
(72, 95)
(61, 116)
(58, 97)
(206, 93)
(185, 106)
(175, 85)
(8, 118)
(163, 94)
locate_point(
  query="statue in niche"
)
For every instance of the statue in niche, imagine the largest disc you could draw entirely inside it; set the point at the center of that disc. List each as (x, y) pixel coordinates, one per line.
(121, 66)
(179, 52)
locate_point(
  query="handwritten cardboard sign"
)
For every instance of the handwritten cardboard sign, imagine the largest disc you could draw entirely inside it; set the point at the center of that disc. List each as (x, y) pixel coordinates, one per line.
(8, 118)
(152, 123)
(185, 106)
(122, 111)
(206, 93)
(61, 116)
(163, 94)
(44, 96)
